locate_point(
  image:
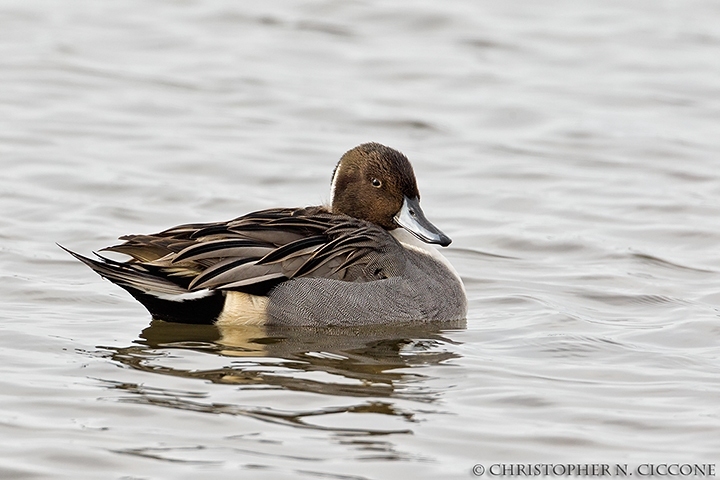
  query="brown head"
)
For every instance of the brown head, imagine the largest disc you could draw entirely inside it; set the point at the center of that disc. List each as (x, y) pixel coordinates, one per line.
(377, 183)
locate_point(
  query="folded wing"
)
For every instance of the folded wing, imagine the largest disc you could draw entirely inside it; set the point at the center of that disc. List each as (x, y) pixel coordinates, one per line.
(254, 253)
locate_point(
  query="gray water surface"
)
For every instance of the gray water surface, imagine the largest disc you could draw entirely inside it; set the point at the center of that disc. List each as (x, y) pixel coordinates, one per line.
(570, 149)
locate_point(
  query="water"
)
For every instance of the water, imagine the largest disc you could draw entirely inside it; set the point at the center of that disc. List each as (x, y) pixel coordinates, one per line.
(568, 148)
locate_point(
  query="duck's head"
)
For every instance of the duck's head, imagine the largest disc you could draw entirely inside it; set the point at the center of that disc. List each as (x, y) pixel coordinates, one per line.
(376, 183)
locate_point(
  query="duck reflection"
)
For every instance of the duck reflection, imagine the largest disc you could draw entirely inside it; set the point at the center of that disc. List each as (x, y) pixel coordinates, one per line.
(377, 362)
(371, 356)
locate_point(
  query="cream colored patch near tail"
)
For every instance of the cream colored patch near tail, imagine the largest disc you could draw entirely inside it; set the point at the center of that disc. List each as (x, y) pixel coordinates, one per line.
(243, 309)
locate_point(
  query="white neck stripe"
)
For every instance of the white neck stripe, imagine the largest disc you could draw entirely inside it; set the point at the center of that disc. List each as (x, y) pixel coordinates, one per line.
(332, 186)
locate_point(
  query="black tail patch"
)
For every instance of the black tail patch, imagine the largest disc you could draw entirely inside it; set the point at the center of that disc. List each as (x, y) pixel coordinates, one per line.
(201, 311)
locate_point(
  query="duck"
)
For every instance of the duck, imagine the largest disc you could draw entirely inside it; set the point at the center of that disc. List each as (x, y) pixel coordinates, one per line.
(367, 258)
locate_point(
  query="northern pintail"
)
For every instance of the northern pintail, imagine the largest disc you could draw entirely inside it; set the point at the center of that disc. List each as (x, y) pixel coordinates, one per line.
(346, 264)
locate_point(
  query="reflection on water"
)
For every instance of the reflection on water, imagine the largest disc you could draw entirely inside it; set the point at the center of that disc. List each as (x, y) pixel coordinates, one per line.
(338, 361)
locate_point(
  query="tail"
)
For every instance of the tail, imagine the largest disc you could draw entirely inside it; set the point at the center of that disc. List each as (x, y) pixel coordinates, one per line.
(164, 298)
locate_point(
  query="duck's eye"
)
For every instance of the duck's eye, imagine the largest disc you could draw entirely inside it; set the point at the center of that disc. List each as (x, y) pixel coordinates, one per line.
(376, 183)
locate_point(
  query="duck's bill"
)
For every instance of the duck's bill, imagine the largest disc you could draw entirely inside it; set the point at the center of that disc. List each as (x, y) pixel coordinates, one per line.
(411, 218)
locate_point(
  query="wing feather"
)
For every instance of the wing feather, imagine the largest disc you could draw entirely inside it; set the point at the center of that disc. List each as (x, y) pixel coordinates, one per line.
(256, 251)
